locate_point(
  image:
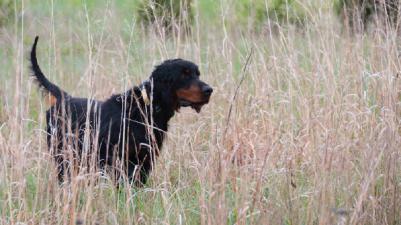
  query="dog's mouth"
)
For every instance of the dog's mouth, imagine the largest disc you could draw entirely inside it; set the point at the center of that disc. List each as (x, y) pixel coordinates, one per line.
(197, 106)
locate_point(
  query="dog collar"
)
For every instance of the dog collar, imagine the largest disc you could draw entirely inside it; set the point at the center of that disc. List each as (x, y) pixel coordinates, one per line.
(146, 99)
(145, 96)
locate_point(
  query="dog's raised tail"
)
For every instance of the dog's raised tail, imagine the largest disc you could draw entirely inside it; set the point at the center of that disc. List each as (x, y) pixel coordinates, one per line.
(54, 93)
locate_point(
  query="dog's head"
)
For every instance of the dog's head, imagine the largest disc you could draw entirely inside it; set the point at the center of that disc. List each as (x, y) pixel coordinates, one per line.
(180, 84)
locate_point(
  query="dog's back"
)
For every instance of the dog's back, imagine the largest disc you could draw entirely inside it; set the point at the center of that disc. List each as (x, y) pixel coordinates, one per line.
(71, 124)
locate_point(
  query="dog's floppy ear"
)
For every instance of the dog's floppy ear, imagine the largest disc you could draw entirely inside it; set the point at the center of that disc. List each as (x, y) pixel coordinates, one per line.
(161, 90)
(168, 98)
(165, 95)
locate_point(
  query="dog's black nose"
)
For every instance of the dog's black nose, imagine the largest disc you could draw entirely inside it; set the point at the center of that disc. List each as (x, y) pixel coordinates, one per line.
(207, 90)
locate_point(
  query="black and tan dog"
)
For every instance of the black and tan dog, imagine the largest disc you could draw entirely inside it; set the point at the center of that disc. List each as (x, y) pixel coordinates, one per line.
(128, 127)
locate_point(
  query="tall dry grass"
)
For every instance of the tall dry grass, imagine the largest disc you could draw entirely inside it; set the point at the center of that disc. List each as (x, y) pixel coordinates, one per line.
(313, 136)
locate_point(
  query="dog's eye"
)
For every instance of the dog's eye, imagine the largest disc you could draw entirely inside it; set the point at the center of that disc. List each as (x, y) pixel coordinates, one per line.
(187, 72)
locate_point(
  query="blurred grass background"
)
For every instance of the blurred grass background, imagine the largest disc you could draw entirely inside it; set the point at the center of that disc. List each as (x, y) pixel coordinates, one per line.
(314, 137)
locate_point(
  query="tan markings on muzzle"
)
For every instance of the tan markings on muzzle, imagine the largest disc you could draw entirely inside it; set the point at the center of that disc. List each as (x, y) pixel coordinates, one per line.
(191, 94)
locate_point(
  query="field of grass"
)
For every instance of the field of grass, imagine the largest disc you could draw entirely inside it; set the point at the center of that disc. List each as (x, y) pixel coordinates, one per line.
(314, 135)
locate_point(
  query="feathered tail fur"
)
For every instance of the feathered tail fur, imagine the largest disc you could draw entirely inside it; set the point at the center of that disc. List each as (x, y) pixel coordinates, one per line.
(54, 93)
